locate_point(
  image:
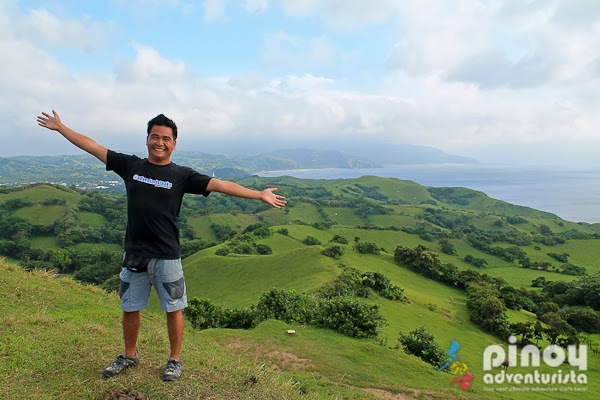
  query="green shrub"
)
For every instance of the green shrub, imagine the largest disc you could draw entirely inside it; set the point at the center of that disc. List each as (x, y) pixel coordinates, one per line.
(570, 269)
(516, 220)
(352, 283)
(545, 230)
(322, 225)
(422, 344)
(243, 248)
(253, 227)
(263, 249)
(262, 232)
(382, 285)
(238, 318)
(475, 261)
(582, 318)
(311, 241)
(223, 251)
(334, 251)
(447, 247)
(346, 284)
(563, 257)
(287, 306)
(349, 316)
(339, 239)
(112, 284)
(222, 232)
(190, 247)
(202, 313)
(367, 248)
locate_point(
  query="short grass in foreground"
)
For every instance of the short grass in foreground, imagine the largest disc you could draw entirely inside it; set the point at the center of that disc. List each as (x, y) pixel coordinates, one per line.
(58, 335)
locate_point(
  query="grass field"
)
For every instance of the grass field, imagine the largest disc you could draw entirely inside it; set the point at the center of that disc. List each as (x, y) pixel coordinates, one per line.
(44, 242)
(41, 193)
(48, 322)
(41, 215)
(429, 305)
(237, 281)
(58, 335)
(76, 336)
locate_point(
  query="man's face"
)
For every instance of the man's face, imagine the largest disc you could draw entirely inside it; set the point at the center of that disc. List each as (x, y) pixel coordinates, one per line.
(160, 144)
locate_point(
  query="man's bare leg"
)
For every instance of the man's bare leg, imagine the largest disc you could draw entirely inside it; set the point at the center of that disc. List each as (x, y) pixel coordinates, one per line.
(131, 327)
(175, 328)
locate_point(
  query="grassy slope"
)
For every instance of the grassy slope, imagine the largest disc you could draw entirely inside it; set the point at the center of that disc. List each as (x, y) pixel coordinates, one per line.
(46, 215)
(41, 193)
(57, 335)
(429, 306)
(239, 280)
(59, 350)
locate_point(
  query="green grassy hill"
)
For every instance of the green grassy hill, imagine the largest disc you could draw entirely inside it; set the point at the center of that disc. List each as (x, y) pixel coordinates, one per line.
(265, 362)
(57, 335)
(236, 281)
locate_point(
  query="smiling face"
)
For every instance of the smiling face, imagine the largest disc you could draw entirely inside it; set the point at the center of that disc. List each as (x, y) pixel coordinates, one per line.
(160, 144)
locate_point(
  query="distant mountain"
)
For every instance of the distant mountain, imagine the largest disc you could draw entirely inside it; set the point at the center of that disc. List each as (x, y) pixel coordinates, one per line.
(85, 171)
(406, 154)
(309, 158)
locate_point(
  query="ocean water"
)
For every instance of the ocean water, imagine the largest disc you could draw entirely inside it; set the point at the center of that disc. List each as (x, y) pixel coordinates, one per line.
(572, 194)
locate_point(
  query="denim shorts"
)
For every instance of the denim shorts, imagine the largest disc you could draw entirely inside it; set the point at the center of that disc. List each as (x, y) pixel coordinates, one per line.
(167, 278)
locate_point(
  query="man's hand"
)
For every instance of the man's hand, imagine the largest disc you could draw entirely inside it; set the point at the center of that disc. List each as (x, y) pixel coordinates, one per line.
(272, 199)
(83, 142)
(233, 189)
(49, 122)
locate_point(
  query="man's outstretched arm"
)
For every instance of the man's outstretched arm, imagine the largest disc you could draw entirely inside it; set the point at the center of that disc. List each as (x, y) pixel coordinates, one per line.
(83, 142)
(233, 189)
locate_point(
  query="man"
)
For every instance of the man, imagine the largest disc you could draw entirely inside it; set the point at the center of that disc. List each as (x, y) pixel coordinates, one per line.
(155, 187)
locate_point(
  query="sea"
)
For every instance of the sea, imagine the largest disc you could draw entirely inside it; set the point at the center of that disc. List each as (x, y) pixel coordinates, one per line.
(573, 194)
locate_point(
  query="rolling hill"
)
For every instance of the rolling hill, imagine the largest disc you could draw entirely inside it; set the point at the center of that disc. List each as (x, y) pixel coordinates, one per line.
(387, 212)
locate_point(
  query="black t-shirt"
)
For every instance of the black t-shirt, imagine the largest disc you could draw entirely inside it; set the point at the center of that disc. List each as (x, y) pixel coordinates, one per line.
(154, 196)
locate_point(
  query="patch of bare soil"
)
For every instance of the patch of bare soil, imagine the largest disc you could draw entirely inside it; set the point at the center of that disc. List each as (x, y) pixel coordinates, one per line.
(281, 360)
(385, 395)
(412, 394)
(234, 345)
(125, 394)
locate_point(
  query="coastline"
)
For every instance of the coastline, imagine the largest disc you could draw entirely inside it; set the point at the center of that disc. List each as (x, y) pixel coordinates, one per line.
(571, 193)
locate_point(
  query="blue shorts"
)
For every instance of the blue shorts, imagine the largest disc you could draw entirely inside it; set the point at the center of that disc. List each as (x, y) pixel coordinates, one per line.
(167, 278)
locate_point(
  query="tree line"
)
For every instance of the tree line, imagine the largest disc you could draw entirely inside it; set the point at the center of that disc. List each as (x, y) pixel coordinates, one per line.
(566, 308)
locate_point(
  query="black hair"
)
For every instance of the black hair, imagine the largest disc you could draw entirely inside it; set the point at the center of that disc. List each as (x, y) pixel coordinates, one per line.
(161, 120)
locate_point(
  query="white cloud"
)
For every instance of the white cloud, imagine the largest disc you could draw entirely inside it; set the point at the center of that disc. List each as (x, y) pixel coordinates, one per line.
(308, 82)
(438, 36)
(214, 10)
(150, 8)
(299, 8)
(497, 79)
(283, 50)
(256, 6)
(343, 15)
(150, 66)
(499, 44)
(42, 26)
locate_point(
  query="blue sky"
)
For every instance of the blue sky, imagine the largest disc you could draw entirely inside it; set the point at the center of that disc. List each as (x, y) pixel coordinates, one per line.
(515, 81)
